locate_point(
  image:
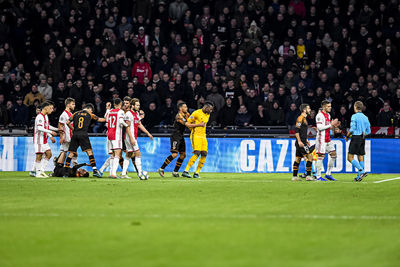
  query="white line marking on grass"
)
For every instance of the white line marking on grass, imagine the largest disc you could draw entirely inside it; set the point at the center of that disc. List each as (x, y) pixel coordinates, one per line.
(386, 180)
(206, 216)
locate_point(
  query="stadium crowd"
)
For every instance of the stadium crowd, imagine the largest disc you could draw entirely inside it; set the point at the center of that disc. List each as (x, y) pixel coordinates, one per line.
(256, 60)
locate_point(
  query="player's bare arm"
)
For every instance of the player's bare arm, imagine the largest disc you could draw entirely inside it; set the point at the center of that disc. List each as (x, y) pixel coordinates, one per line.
(143, 129)
(129, 133)
(60, 130)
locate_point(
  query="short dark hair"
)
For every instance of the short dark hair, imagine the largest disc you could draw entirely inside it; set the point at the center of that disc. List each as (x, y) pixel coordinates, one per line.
(88, 106)
(117, 101)
(46, 104)
(181, 104)
(69, 100)
(303, 107)
(127, 98)
(209, 103)
(325, 102)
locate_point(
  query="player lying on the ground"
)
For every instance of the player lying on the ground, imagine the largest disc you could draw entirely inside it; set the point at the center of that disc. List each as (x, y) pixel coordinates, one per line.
(61, 171)
(198, 138)
(302, 144)
(323, 142)
(360, 127)
(178, 144)
(79, 124)
(42, 131)
(132, 118)
(65, 131)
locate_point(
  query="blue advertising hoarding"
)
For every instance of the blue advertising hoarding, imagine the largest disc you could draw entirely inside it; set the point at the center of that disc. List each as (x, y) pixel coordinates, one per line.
(225, 154)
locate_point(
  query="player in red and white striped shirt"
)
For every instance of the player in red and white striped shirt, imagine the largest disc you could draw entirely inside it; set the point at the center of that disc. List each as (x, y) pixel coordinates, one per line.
(323, 142)
(132, 118)
(42, 131)
(65, 131)
(115, 123)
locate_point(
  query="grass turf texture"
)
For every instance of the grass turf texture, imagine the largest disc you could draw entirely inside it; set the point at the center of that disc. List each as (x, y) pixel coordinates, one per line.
(218, 220)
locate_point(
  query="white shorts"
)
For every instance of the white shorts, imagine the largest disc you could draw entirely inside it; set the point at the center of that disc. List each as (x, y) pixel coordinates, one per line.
(323, 147)
(130, 147)
(41, 148)
(109, 150)
(114, 144)
(64, 147)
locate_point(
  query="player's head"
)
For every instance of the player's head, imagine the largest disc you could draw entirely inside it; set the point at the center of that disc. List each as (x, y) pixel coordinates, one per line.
(89, 107)
(47, 107)
(208, 107)
(117, 103)
(82, 173)
(127, 102)
(182, 107)
(70, 103)
(358, 106)
(135, 104)
(305, 108)
(326, 106)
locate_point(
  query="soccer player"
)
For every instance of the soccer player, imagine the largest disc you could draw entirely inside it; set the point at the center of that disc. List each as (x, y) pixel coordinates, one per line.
(109, 151)
(178, 144)
(359, 128)
(65, 131)
(115, 123)
(76, 171)
(302, 144)
(42, 131)
(79, 123)
(323, 142)
(132, 119)
(198, 138)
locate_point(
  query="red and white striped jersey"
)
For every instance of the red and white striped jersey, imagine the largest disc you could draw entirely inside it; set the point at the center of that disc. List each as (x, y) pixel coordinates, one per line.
(115, 116)
(40, 137)
(323, 119)
(134, 119)
(63, 120)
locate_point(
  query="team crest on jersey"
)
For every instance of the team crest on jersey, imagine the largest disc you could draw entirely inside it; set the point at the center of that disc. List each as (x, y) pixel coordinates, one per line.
(298, 124)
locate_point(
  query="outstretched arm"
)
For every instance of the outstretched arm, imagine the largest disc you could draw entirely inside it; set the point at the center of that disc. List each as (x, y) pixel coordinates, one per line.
(143, 129)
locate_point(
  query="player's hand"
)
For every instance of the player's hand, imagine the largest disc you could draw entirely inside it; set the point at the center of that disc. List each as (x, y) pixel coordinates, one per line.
(151, 137)
(335, 122)
(133, 142)
(53, 133)
(53, 140)
(108, 105)
(301, 144)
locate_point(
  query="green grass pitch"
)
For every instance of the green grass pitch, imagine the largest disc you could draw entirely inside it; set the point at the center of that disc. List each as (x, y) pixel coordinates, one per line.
(218, 220)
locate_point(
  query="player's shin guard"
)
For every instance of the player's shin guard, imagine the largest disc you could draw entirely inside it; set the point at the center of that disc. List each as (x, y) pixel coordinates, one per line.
(201, 163)
(105, 165)
(319, 167)
(167, 161)
(92, 162)
(178, 164)
(308, 168)
(331, 163)
(125, 166)
(68, 162)
(138, 163)
(192, 160)
(295, 168)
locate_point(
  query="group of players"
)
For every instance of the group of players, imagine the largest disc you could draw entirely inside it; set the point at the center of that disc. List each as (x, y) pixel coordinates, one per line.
(360, 127)
(123, 122)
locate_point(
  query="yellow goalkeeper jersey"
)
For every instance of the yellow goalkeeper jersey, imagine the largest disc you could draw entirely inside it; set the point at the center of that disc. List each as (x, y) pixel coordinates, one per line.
(199, 116)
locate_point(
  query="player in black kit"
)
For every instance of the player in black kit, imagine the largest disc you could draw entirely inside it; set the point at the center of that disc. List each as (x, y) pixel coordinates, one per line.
(79, 123)
(61, 171)
(178, 144)
(302, 145)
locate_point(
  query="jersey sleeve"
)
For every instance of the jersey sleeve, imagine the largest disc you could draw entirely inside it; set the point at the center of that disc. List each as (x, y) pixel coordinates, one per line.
(193, 117)
(299, 121)
(179, 118)
(39, 121)
(320, 119)
(63, 119)
(94, 117)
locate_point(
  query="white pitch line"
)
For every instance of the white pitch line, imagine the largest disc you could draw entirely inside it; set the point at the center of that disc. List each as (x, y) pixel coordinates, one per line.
(207, 216)
(386, 180)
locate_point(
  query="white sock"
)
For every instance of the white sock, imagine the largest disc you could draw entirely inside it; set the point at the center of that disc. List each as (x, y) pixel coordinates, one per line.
(36, 166)
(106, 164)
(44, 164)
(74, 161)
(126, 165)
(331, 163)
(138, 163)
(319, 167)
(115, 166)
(111, 163)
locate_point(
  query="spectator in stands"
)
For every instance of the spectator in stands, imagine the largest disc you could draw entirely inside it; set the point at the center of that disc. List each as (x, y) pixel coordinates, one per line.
(292, 115)
(141, 70)
(227, 114)
(168, 112)
(243, 117)
(385, 117)
(276, 115)
(19, 113)
(4, 118)
(343, 117)
(216, 98)
(33, 95)
(261, 117)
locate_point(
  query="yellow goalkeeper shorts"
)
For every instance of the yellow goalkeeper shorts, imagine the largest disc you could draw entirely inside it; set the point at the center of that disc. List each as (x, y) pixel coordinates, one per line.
(199, 143)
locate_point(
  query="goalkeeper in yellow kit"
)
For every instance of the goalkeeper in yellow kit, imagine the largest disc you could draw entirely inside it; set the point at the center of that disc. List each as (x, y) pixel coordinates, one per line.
(198, 138)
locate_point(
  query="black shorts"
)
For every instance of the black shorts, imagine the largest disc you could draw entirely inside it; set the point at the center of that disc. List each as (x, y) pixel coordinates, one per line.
(357, 145)
(178, 144)
(303, 151)
(80, 141)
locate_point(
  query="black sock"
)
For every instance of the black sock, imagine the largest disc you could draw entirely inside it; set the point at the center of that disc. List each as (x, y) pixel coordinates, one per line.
(92, 162)
(167, 161)
(68, 162)
(308, 167)
(121, 162)
(178, 164)
(295, 168)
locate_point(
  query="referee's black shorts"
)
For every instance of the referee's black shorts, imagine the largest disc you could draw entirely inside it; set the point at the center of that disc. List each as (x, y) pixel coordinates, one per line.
(357, 145)
(79, 141)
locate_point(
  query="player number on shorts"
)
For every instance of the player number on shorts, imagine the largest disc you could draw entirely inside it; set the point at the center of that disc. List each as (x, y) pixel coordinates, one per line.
(80, 122)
